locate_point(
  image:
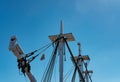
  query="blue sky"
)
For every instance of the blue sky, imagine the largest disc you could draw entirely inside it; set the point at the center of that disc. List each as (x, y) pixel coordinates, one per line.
(94, 23)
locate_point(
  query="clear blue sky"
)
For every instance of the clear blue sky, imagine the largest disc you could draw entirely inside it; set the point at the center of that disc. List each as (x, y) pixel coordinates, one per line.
(94, 23)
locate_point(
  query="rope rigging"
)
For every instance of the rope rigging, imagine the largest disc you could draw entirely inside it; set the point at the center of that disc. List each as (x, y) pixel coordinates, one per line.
(85, 64)
(79, 71)
(60, 42)
(44, 49)
(49, 70)
(68, 74)
(74, 74)
(24, 62)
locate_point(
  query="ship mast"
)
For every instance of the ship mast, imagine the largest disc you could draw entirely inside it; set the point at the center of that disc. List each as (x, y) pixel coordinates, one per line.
(60, 40)
(82, 60)
(61, 53)
(61, 48)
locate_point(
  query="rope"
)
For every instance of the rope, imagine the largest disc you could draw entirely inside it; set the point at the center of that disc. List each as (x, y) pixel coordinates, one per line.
(87, 72)
(79, 71)
(49, 70)
(68, 74)
(46, 47)
(31, 53)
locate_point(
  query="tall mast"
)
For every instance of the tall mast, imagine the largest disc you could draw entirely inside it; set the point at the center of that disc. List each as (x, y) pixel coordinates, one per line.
(61, 53)
(61, 48)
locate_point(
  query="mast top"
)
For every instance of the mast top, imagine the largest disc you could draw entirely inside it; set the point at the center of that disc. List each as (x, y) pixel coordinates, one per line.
(68, 36)
(61, 27)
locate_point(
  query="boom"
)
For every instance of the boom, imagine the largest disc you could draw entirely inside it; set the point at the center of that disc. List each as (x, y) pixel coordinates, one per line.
(22, 62)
